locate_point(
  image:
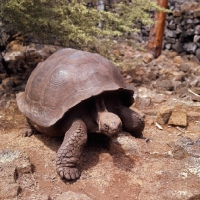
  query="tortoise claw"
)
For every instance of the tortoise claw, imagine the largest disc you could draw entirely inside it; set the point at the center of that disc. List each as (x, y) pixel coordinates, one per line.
(27, 132)
(68, 173)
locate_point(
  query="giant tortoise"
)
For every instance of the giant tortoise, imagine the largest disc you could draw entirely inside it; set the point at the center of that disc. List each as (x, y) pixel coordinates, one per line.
(74, 93)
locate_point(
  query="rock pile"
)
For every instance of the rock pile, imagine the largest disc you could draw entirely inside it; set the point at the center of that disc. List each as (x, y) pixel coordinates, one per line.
(182, 32)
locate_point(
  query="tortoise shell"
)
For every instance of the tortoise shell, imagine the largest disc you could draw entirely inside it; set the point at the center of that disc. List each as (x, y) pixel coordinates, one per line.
(65, 79)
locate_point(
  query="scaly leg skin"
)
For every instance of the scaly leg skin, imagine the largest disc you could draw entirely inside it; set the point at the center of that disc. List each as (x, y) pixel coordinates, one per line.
(70, 151)
(132, 122)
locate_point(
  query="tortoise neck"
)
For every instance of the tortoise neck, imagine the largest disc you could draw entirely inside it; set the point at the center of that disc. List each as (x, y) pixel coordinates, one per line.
(100, 106)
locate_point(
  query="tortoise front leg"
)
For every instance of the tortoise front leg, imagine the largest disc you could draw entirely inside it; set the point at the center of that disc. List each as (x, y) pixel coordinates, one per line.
(70, 151)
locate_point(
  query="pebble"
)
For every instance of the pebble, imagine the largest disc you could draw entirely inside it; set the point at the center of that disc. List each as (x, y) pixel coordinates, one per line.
(178, 118)
(73, 196)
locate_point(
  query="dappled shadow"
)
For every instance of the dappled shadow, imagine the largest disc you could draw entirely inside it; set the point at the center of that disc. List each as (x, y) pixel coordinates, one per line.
(90, 154)
(99, 143)
(96, 145)
(127, 150)
(52, 142)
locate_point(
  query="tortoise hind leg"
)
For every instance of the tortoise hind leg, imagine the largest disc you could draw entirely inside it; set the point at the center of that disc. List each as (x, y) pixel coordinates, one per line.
(70, 151)
(132, 122)
(28, 129)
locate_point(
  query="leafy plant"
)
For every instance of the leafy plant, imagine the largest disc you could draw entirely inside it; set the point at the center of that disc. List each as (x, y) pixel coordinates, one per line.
(70, 21)
(67, 21)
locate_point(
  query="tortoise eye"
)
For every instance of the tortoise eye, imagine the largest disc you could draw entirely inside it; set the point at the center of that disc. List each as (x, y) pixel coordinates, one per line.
(106, 127)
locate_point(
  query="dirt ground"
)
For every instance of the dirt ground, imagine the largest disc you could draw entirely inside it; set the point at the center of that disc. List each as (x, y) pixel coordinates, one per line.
(105, 174)
(149, 168)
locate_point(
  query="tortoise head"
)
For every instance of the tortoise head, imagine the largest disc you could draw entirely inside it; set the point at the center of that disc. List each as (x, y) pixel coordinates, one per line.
(109, 123)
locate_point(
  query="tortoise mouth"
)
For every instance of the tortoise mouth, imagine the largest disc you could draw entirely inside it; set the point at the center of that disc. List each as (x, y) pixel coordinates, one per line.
(112, 132)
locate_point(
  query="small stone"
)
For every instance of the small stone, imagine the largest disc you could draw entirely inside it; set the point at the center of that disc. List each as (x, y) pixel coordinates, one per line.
(179, 153)
(197, 142)
(187, 6)
(153, 75)
(197, 30)
(177, 13)
(191, 59)
(189, 21)
(168, 46)
(197, 13)
(19, 159)
(172, 26)
(178, 60)
(198, 53)
(13, 164)
(38, 197)
(170, 33)
(163, 114)
(193, 150)
(196, 39)
(128, 145)
(178, 46)
(189, 31)
(147, 58)
(185, 67)
(177, 20)
(196, 20)
(73, 196)
(196, 90)
(181, 89)
(186, 144)
(189, 26)
(128, 77)
(159, 98)
(170, 54)
(185, 141)
(178, 118)
(190, 47)
(8, 185)
(178, 76)
(189, 15)
(166, 85)
(171, 40)
(142, 102)
(194, 96)
(193, 115)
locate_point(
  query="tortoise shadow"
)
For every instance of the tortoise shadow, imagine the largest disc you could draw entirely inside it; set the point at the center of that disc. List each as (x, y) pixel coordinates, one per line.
(100, 143)
(121, 159)
(96, 144)
(90, 155)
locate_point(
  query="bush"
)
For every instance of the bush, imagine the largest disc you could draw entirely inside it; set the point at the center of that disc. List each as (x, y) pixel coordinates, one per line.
(72, 21)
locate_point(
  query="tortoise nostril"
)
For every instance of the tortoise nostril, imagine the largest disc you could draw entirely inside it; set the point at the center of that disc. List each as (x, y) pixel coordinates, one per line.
(114, 130)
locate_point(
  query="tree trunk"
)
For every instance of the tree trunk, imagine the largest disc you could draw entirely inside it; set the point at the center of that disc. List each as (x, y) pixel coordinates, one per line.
(157, 31)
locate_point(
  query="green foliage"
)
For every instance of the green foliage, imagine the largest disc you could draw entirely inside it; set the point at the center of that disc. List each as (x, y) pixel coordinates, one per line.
(72, 21)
